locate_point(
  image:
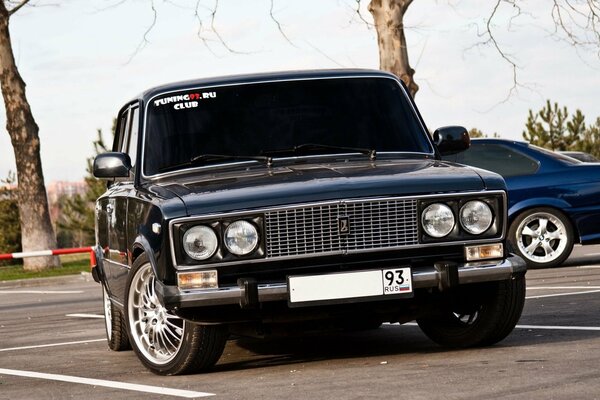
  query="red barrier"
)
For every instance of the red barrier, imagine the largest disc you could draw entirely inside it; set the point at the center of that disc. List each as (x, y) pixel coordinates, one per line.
(55, 252)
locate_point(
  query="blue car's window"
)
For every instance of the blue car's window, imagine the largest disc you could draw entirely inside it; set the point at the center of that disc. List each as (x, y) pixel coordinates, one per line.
(500, 159)
(255, 119)
(557, 156)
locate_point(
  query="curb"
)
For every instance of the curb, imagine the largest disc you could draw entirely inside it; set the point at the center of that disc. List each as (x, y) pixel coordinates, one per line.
(54, 280)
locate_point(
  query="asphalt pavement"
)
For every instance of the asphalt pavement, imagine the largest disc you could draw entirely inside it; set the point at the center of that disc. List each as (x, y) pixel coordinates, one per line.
(52, 346)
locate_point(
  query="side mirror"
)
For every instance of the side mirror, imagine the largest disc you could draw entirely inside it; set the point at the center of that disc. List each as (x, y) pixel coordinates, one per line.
(451, 139)
(112, 165)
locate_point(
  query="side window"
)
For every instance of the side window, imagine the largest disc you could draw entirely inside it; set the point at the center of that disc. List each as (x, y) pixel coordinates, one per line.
(133, 134)
(500, 159)
(121, 131)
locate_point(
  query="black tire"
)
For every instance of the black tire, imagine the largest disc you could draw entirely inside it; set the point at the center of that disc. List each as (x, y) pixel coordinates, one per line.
(114, 323)
(477, 314)
(540, 257)
(164, 343)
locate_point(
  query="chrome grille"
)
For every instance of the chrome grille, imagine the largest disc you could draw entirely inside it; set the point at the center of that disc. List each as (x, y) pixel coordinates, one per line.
(313, 229)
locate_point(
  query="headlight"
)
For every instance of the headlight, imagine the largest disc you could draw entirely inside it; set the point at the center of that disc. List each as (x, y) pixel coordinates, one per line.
(437, 220)
(476, 217)
(200, 242)
(241, 238)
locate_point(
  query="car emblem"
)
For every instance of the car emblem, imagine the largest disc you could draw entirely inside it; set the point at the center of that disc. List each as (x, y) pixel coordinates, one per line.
(344, 225)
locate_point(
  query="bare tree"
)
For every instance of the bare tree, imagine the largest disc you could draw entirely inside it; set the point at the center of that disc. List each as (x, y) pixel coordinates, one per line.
(576, 22)
(391, 40)
(37, 232)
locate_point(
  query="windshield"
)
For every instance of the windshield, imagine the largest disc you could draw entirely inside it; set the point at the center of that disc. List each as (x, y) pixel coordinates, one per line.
(267, 118)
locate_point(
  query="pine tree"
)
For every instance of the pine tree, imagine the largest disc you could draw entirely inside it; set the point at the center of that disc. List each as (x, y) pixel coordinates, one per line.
(554, 129)
(77, 215)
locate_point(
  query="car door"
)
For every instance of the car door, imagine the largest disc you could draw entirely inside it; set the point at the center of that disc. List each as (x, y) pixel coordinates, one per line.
(117, 259)
(515, 167)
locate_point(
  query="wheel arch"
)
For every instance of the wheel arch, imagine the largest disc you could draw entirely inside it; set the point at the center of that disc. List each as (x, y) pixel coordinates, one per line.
(140, 246)
(557, 204)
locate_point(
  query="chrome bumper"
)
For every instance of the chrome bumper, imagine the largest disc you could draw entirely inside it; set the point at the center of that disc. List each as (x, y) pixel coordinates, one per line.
(431, 277)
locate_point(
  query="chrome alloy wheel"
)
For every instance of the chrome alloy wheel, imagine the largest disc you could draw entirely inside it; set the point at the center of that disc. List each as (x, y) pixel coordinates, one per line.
(157, 332)
(107, 313)
(542, 237)
(467, 319)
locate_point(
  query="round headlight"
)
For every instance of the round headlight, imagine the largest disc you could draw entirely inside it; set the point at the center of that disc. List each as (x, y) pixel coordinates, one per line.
(476, 217)
(437, 220)
(200, 242)
(241, 238)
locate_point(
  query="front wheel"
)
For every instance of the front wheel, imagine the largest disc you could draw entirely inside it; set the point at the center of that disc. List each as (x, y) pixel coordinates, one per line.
(478, 314)
(165, 343)
(543, 237)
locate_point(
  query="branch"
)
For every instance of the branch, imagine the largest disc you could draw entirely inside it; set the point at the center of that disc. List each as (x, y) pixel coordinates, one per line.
(325, 55)
(214, 30)
(17, 7)
(494, 42)
(279, 25)
(579, 22)
(145, 40)
(360, 16)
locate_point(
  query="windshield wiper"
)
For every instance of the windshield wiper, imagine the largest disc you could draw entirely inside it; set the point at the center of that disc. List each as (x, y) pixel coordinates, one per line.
(207, 158)
(310, 147)
(217, 157)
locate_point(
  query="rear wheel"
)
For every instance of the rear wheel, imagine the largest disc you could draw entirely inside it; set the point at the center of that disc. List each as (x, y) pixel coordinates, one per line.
(114, 322)
(165, 343)
(477, 315)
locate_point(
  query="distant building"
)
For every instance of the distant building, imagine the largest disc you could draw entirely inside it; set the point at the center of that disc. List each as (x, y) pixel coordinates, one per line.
(7, 191)
(58, 189)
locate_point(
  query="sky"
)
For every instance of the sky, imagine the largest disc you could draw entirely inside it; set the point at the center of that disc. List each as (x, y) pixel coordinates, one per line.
(82, 60)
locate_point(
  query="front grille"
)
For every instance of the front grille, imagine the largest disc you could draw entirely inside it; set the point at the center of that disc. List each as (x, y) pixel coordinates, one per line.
(313, 229)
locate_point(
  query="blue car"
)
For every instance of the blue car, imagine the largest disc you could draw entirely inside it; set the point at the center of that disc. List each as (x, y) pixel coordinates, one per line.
(553, 200)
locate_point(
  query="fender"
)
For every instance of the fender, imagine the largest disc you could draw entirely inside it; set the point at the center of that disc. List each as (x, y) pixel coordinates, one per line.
(537, 202)
(98, 268)
(141, 243)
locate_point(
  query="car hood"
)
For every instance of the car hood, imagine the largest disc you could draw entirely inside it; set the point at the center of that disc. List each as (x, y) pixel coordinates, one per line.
(262, 187)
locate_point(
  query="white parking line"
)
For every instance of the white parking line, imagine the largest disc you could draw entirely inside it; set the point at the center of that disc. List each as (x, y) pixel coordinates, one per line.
(589, 267)
(2, 291)
(562, 287)
(560, 328)
(561, 294)
(85, 316)
(109, 384)
(52, 345)
(546, 327)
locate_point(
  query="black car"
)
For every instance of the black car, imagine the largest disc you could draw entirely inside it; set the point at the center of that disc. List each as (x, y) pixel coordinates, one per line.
(581, 156)
(302, 200)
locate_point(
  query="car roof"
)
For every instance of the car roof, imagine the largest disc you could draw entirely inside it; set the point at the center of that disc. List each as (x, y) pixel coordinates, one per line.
(501, 141)
(262, 77)
(539, 153)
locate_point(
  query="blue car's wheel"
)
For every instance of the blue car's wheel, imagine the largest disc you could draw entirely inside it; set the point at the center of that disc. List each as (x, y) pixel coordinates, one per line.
(542, 236)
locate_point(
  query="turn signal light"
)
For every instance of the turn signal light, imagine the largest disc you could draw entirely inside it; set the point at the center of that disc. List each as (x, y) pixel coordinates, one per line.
(198, 280)
(484, 252)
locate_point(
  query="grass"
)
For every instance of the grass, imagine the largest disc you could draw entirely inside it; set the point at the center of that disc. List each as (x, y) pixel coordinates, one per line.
(72, 264)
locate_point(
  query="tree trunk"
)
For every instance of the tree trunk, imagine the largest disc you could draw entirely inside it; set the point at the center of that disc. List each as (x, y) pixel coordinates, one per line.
(393, 53)
(36, 229)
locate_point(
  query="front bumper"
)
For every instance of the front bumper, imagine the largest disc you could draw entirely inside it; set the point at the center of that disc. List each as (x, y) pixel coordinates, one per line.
(440, 275)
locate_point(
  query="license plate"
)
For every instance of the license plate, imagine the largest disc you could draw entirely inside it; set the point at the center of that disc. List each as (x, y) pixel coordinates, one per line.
(350, 285)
